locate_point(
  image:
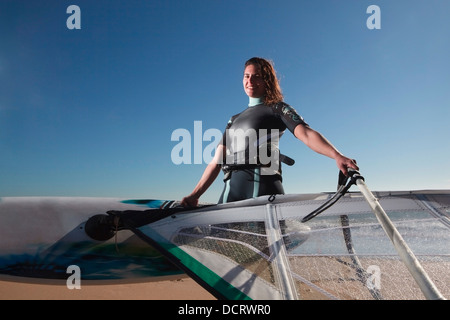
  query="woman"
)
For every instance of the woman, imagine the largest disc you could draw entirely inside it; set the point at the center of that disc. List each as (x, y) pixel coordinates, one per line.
(248, 152)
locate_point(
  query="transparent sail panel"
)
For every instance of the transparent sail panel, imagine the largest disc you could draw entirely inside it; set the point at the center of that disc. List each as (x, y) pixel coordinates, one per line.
(350, 256)
(266, 252)
(242, 244)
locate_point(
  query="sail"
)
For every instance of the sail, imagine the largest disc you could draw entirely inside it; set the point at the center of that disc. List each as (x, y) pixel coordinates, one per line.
(260, 249)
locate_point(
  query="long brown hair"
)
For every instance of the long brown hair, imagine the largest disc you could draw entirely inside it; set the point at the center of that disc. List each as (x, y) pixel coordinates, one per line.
(273, 90)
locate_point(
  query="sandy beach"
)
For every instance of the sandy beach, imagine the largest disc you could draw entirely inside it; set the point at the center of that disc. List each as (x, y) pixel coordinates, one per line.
(183, 288)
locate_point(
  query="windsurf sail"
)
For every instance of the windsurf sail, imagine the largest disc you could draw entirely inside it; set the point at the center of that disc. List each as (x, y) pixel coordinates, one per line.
(260, 248)
(424, 282)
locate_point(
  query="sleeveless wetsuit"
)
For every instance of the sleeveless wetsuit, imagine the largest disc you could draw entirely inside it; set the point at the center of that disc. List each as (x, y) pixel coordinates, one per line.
(251, 163)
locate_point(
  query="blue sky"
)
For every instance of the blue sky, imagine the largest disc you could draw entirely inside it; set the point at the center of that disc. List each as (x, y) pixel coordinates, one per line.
(91, 112)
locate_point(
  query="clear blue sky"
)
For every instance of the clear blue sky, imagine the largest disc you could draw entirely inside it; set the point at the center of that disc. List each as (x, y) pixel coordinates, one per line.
(90, 112)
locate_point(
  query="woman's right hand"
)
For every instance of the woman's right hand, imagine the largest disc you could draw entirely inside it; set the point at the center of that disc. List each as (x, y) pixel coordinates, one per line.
(189, 201)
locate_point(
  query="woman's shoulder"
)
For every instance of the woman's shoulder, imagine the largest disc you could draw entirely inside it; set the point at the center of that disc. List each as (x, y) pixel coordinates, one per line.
(231, 120)
(280, 104)
(286, 111)
(282, 107)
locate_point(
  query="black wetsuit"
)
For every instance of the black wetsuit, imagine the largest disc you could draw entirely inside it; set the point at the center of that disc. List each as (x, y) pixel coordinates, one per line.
(251, 166)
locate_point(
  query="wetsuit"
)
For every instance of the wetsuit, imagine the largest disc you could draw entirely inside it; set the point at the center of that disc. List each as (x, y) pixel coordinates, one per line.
(252, 164)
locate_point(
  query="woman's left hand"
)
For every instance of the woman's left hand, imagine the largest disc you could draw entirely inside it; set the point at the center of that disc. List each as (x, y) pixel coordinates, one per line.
(345, 163)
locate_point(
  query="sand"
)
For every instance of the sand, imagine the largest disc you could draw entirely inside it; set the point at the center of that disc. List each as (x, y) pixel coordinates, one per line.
(183, 288)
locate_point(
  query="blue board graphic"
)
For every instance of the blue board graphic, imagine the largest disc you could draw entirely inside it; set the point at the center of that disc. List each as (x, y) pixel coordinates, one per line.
(40, 237)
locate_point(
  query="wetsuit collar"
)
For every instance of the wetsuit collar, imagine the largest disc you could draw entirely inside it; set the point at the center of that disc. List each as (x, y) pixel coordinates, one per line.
(255, 101)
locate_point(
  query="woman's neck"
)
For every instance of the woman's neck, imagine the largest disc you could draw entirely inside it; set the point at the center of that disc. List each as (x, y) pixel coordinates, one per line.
(255, 101)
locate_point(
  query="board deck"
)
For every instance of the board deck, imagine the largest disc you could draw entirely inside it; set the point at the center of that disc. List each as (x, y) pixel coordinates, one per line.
(42, 236)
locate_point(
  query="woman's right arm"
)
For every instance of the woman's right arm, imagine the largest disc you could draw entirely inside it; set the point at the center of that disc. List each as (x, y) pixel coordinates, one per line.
(209, 176)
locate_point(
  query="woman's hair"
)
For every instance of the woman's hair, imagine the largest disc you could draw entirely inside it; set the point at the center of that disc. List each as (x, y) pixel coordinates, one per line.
(273, 90)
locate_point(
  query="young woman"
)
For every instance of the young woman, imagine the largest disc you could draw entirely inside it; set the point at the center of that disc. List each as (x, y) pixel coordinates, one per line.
(248, 153)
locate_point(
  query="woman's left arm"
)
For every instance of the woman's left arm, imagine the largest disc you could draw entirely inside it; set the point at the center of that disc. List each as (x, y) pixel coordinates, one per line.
(317, 142)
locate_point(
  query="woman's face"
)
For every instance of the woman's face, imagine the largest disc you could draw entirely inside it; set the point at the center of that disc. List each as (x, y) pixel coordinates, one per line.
(254, 85)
